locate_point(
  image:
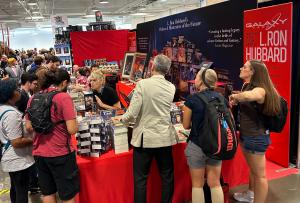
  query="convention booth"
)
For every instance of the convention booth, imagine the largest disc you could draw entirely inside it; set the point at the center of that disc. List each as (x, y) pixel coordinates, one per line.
(192, 40)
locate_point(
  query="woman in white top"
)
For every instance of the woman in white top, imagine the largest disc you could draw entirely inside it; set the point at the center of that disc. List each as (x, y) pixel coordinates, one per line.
(16, 151)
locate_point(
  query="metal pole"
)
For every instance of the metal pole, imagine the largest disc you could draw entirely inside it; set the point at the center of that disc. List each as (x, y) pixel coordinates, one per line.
(298, 154)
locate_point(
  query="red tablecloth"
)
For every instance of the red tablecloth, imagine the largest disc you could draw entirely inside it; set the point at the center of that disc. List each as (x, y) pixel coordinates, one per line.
(109, 179)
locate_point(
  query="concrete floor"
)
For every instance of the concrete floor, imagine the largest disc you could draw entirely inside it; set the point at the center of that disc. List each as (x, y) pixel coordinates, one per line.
(283, 190)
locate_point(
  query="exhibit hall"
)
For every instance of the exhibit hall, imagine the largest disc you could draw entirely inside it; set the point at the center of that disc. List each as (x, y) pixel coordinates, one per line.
(150, 101)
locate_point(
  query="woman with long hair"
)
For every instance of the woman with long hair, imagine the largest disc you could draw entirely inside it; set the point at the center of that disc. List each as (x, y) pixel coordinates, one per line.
(258, 96)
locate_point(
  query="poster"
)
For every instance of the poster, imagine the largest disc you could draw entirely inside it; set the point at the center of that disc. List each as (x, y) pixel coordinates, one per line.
(209, 34)
(138, 66)
(268, 37)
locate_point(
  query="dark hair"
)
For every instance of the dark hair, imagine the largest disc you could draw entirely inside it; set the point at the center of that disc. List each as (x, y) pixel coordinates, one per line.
(82, 71)
(38, 60)
(261, 78)
(27, 77)
(94, 66)
(7, 89)
(55, 78)
(53, 59)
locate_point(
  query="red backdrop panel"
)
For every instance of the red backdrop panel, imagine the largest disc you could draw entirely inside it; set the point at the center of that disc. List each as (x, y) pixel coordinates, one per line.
(268, 37)
(109, 44)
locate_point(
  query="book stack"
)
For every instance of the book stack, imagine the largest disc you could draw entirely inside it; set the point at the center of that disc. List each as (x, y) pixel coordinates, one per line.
(83, 139)
(120, 138)
(95, 136)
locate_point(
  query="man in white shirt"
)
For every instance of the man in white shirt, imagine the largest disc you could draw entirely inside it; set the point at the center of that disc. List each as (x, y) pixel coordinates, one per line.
(153, 132)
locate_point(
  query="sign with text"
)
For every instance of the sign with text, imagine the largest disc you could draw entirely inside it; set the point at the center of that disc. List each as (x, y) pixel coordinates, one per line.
(209, 34)
(268, 37)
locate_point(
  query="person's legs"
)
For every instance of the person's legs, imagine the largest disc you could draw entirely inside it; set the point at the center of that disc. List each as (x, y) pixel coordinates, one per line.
(49, 198)
(20, 181)
(33, 183)
(12, 188)
(70, 201)
(213, 174)
(142, 159)
(197, 161)
(164, 158)
(66, 176)
(46, 180)
(197, 176)
(257, 164)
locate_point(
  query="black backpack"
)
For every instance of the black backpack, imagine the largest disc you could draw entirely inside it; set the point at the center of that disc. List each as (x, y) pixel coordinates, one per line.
(39, 112)
(218, 132)
(276, 123)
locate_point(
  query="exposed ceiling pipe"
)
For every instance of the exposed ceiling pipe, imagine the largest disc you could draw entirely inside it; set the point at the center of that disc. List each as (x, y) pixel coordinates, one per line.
(24, 6)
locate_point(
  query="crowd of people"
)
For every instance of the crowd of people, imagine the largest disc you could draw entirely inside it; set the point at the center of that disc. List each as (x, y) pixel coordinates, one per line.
(28, 154)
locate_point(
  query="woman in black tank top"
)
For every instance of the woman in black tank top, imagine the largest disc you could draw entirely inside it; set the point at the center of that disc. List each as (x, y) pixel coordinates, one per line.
(258, 96)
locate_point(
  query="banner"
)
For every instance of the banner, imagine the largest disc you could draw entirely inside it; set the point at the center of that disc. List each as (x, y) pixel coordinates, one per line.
(211, 35)
(108, 44)
(268, 37)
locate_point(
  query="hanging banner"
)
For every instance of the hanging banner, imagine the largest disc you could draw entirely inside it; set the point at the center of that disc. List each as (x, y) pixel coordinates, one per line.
(268, 37)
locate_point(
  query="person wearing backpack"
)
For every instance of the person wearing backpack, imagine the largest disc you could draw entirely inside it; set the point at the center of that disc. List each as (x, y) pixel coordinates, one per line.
(16, 152)
(258, 96)
(50, 114)
(194, 118)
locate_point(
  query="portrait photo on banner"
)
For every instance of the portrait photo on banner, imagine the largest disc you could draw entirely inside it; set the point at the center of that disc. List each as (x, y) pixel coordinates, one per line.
(138, 66)
(127, 66)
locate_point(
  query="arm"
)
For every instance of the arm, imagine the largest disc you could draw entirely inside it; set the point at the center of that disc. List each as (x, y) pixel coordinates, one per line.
(135, 105)
(13, 126)
(257, 94)
(21, 142)
(105, 106)
(187, 117)
(72, 126)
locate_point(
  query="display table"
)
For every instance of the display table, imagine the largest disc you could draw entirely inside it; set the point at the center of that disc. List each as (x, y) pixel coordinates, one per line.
(110, 177)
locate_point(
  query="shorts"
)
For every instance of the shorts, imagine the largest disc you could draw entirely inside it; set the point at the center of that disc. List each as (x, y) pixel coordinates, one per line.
(196, 157)
(257, 144)
(58, 174)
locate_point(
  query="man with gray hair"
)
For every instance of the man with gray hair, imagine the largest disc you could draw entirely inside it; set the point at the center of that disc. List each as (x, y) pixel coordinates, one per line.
(153, 132)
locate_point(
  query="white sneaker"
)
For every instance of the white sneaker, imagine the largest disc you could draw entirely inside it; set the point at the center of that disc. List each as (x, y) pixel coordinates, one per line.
(246, 196)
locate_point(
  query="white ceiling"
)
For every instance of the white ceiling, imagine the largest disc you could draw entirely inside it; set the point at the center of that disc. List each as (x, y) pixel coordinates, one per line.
(17, 13)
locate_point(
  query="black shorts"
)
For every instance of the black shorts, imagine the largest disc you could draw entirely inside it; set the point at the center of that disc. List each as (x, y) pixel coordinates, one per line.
(58, 174)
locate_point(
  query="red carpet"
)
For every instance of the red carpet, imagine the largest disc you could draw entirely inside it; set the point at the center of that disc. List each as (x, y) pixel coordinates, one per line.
(275, 171)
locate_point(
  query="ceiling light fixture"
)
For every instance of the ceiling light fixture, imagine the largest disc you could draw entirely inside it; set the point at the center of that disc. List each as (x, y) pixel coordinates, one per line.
(103, 2)
(34, 18)
(138, 14)
(35, 12)
(31, 3)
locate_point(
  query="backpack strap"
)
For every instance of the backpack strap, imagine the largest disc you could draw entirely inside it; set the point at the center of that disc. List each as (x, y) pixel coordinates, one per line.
(7, 144)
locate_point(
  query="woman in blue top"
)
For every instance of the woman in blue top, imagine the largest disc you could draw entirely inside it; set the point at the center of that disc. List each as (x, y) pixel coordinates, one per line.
(198, 162)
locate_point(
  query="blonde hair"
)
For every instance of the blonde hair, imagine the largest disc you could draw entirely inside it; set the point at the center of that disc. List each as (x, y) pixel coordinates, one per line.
(97, 74)
(11, 61)
(210, 77)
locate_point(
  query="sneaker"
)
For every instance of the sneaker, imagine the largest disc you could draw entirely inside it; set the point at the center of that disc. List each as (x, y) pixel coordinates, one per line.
(246, 196)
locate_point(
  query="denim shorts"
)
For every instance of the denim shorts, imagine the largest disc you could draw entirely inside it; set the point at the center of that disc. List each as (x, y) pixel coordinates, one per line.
(196, 157)
(257, 144)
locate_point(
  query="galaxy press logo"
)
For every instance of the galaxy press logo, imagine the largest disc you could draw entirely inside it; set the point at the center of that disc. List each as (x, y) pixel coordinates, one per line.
(276, 20)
